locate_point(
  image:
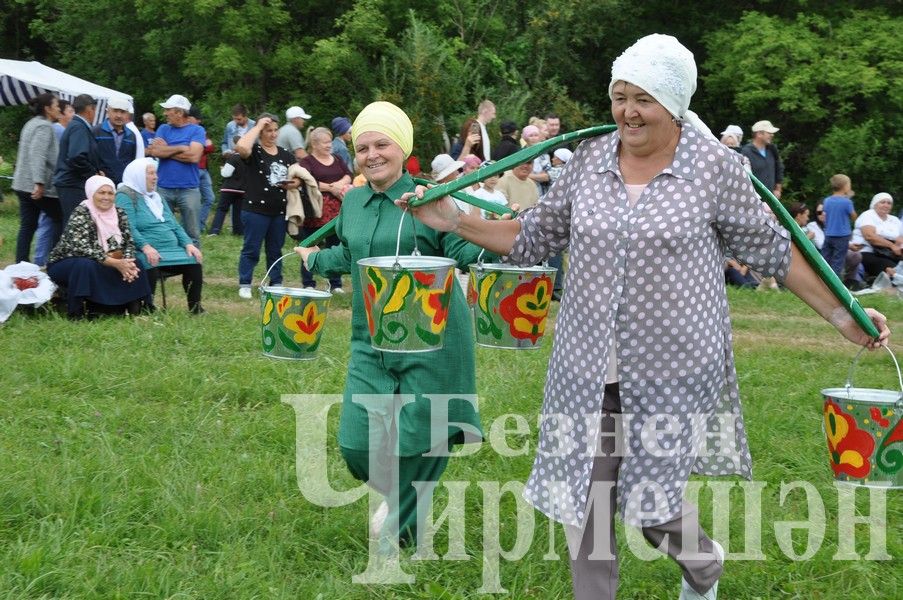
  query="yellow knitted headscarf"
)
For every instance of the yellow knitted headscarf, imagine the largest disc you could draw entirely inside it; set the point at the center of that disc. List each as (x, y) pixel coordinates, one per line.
(385, 117)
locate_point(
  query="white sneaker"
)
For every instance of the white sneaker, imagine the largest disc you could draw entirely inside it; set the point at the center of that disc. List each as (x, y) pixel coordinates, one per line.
(688, 593)
(245, 292)
(379, 519)
(337, 290)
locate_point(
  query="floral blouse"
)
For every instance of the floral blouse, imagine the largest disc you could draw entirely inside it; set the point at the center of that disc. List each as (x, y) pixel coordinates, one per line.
(80, 238)
(646, 282)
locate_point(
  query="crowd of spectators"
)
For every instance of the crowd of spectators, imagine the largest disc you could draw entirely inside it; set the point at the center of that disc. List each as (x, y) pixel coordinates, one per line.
(277, 177)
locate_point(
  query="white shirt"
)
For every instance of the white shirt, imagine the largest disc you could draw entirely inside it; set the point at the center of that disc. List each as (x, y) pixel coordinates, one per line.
(495, 196)
(889, 228)
(484, 136)
(819, 239)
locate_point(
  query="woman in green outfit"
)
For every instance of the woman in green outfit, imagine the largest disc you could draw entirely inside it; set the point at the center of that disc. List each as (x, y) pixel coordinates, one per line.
(401, 412)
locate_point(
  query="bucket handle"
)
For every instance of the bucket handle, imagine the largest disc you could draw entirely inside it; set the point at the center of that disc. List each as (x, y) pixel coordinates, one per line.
(849, 383)
(416, 251)
(480, 259)
(275, 262)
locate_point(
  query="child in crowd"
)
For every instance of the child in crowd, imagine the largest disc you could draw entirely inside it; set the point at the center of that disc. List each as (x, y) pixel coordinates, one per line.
(488, 192)
(839, 214)
(559, 158)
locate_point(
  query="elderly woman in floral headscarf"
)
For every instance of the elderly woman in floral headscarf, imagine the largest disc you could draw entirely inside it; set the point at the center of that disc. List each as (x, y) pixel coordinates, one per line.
(649, 213)
(367, 225)
(95, 257)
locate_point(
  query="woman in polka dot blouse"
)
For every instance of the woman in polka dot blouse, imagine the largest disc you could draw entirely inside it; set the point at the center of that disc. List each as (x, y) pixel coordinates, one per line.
(643, 337)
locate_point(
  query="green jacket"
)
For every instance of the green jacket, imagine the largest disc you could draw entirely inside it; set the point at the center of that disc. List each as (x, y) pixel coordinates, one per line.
(367, 226)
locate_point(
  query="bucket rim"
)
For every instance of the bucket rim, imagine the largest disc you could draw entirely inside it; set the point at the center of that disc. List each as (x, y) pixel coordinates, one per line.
(511, 268)
(408, 262)
(854, 394)
(300, 292)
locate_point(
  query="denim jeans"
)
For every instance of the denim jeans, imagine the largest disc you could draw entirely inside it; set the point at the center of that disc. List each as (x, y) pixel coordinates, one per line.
(259, 229)
(307, 278)
(227, 200)
(205, 186)
(188, 203)
(46, 237)
(835, 251)
(29, 213)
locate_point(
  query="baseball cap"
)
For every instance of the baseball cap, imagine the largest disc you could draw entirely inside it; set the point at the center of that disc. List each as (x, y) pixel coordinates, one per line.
(119, 104)
(296, 112)
(177, 101)
(764, 126)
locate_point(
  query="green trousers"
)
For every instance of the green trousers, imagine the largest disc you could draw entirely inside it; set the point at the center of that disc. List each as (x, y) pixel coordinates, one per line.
(406, 513)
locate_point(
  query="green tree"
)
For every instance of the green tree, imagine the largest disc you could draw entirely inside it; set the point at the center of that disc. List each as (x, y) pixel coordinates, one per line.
(835, 88)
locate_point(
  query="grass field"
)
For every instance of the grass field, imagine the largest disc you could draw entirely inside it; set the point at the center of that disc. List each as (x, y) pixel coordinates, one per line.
(152, 458)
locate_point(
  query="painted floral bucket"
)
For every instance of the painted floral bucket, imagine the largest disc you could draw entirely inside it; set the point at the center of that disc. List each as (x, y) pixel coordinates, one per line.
(864, 431)
(406, 299)
(510, 304)
(291, 320)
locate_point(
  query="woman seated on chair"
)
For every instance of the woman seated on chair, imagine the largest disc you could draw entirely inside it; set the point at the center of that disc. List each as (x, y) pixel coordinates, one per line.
(95, 257)
(163, 246)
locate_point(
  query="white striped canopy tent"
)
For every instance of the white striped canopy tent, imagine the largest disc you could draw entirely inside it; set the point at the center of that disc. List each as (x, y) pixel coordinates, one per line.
(21, 80)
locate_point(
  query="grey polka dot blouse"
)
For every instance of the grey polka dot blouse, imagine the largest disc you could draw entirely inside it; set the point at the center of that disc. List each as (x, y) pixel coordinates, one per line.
(650, 277)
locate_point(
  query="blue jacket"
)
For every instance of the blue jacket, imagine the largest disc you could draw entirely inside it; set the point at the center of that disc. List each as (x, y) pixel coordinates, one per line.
(231, 131)
(78, 159)
(113, 162)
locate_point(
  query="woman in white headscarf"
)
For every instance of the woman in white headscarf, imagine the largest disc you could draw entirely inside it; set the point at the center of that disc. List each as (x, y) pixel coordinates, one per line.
(649, 213)
(881, 236)
(95, 257)
(163, 246)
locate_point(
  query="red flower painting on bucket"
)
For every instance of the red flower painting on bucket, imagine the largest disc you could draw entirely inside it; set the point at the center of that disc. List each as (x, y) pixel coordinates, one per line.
(373, 289)
(850, 447)
(525, 310)
(435, 302)
(306, 325)
(877, 417)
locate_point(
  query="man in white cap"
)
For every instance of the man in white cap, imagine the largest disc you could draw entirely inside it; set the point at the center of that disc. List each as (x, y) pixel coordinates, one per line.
(115, 142)
(179, 146)
(764, 158)
(290, 136)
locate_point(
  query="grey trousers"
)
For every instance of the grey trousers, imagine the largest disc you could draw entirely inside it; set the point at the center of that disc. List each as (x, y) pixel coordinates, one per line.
(594, 565)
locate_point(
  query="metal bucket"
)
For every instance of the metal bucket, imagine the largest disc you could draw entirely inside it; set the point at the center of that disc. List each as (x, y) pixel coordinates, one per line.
(406, 299)
(510, 304)
(291, 320)
(864, 431)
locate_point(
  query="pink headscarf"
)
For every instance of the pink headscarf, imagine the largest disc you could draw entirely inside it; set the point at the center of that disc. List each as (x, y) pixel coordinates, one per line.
(107, 221)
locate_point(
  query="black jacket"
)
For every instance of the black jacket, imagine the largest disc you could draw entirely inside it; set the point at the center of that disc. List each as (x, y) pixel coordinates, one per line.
(507, 146)
(79, 158)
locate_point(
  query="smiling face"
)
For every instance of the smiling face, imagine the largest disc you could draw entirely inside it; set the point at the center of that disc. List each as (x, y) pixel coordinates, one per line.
(104, 198)
(645, 126)
(379, 158)
(533, 137)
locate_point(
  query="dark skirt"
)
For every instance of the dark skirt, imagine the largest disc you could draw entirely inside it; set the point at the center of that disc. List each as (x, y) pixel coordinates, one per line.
(85, 279)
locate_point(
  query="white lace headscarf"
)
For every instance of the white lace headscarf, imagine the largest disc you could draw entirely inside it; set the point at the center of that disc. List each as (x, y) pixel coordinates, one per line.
(666, 70)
